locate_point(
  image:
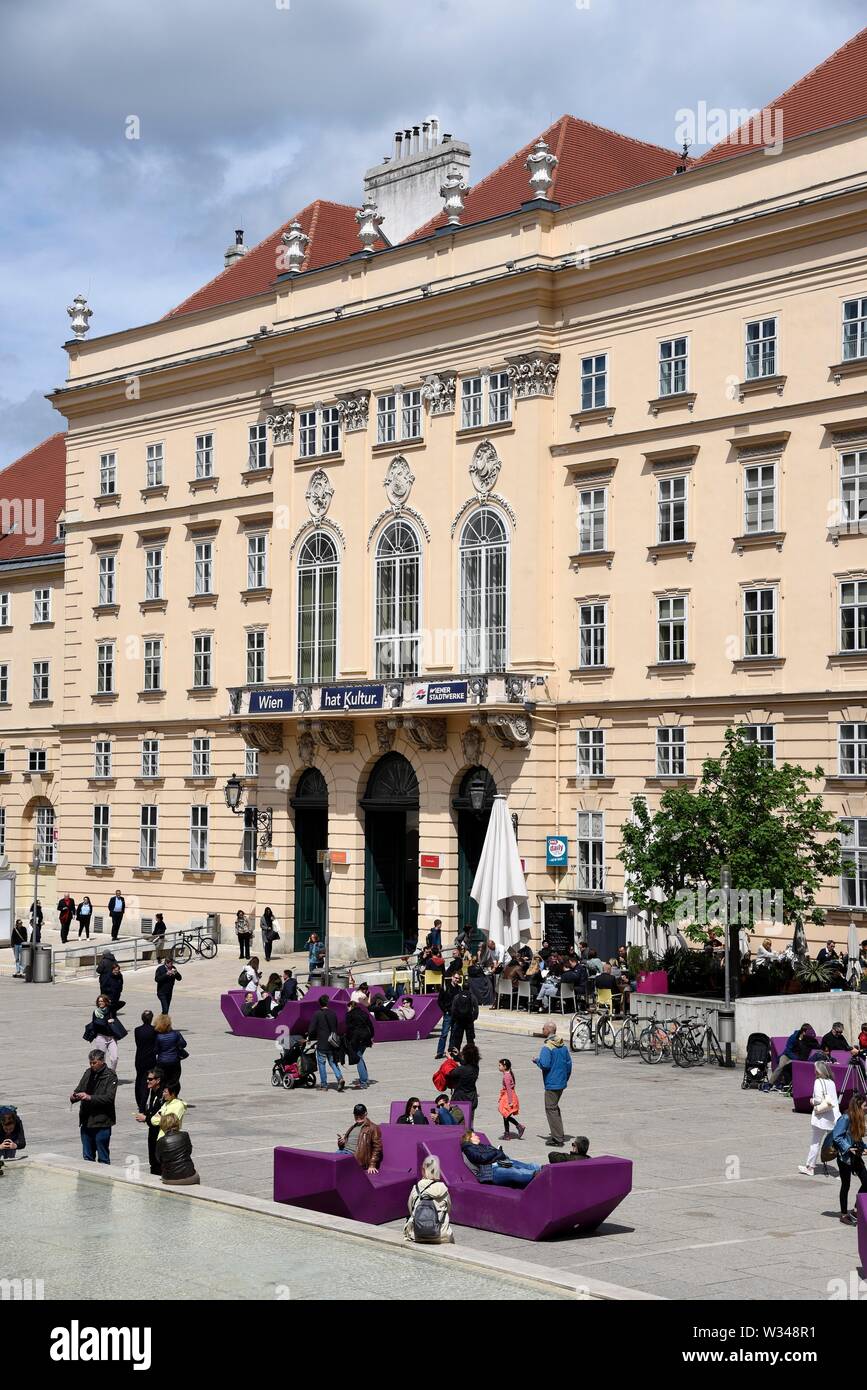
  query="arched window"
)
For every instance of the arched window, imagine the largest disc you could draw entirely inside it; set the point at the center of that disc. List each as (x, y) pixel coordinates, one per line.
(397, 617)
(484, 593)
(317, 609)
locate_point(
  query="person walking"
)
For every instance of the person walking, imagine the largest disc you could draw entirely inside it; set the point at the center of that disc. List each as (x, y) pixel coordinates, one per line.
(166, 977)
(171, 1049)
(555, 1065)
(145, 1055)
(95, 1095)
(848, 1136)
(244, 933)
(508, 1104)
(37, 918)
(158, 930)
(105, 1031)
(323, 1031)
(360, 1033)
(464, 1013)
(445, 998)
(65, 916)
(270, 934)
(431, 1226)
(462, 1081)
(152, 1102)
(84, 915)
(112, 985)
(19, 939)
(826, 1113)
(116, 909)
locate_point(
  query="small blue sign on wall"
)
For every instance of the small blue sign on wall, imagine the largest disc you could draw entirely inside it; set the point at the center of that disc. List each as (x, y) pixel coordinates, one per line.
(274, 701)
(557, 851)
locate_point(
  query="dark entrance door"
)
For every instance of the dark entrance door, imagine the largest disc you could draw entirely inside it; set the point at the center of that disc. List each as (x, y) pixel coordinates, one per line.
(479, 787)
(390, 805)
(310, 804)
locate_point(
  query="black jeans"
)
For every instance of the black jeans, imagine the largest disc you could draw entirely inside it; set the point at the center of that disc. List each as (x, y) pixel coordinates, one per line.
(115, 927)
(165, 998)
(84, 927)
(512, 1120)
(244, 947)
(854, 1165)
(459, 1031)
(266, 946)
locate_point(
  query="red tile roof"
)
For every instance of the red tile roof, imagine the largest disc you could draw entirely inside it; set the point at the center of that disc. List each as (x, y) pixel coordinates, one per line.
(333, 233)
(38, 477)
(834, 92)
(592, 161)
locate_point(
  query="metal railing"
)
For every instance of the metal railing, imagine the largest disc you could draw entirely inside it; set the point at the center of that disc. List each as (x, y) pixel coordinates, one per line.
(130, 952)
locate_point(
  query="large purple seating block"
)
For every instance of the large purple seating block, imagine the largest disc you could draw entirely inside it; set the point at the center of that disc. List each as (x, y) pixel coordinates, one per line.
(335, 1184)
(804, 1078)
(778, 1047)
(295, 1017)
(861, 1208)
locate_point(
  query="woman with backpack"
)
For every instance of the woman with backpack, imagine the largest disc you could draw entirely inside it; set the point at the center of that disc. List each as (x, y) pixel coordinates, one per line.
(847, 1137)
(463, 1078)
(826, 1113)
(171, 1049)
(508, 1104)
(429, 1206)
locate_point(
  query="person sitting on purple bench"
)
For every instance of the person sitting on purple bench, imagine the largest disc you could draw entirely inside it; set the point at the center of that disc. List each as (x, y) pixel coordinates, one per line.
(580, 1149)
(444, 1114)
(253, 1008)
(494, 1165)
(413, 1114)
(798, 1047)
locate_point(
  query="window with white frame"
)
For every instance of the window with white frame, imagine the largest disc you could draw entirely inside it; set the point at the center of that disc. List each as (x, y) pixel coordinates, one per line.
(198, 837)
(204, 455)
(105, 668)
(670, 752)
(249, 848)
(853, 615)
(42, 605)
(5, 610)
(591, 752)
(203, 660)
(853, 880)
(155, 463)
(398, 416)
(852, 750)
(854, 329)
(671, 629)
(257, 561)
(107, 475)
(761, 349)
(486, 399)
(46, 836)
(147, 842)
(201, 761)
(41, 681)
(153, 663)
(150, 757)
(760, 498)
(484, 593)
(317, 611)
(853, 489)
(760, 622)
(591, 851)
(3, 767)
(4, 682)
(255, 657)
(101, 828)
(251, 762)
(2, 829)
(257, 454)
(154, 573)
(592, 623)
(671, 505)
(102, 758)
(594, 381)
(592, 520)
(204, 568)
(37, 760)
(673, 366)
(107, 580)
(397, 619)
(763, 735)
(319, 431)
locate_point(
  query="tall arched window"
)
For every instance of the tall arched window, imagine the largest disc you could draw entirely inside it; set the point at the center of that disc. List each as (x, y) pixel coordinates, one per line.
(484, 592)
(397, 617)
(317, 609)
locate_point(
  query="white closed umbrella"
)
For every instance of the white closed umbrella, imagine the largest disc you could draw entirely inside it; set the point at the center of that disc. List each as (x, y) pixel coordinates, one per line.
(853, 970)
(499, 886)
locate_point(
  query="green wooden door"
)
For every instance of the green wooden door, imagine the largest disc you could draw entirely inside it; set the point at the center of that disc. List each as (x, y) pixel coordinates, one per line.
(311, 835)
(472, 828)
(385, 882)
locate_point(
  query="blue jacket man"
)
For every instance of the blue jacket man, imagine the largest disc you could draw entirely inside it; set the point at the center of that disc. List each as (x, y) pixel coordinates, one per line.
(555, 1064)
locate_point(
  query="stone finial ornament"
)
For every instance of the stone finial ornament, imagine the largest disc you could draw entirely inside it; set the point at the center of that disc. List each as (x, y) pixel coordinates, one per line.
(541, 165)
(369, 222)
(452, 193)
(296, 242)
(80, 315)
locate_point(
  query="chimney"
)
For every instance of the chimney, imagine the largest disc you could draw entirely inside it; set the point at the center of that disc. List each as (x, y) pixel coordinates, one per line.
(235, 253)
(406, 188)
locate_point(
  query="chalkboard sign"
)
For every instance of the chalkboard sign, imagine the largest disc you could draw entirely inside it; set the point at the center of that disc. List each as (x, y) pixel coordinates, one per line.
(558, 924)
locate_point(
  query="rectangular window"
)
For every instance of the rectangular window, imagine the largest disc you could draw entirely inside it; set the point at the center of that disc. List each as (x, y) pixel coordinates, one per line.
(201, 763)
(592, 634)
(386, 419)
(761, 349)
(330, 429)
(671, 628)
(2, 829)
(591, 851)
(256, 562)
(102, 758)
(204, 569)
(203, 667)
(148, 822)
(204, 456)
(153, 663)
(101, 823)
(37, 760)
(471, 402)
(5, 610)
(591, 752)
(763, 735)
(853, 490)
(3, 760)
(853, 750)
(499, 398)
(105, 668)
(155, 465)
(107, 577)
(4, 682)
(150, 757)
(760, 622)
(41, 680)
(251, 762)
(853, 616)
(592, 520)
(670, 752)
(256, 657)
(307, 433)
(154, 573)
(671, 510)
(258, 446)
(853, 882)
(410, 414)
(46, 834)
(854, 329)
(249, 848)
(107, 475)
(198, 837)
(594, 381)
(673, 363)
(42, 605)
(760, 498)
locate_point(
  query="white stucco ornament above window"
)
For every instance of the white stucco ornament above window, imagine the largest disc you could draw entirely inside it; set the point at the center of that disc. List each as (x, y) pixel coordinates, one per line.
(281, 423)
(353, 407)
(319, 494)
(485, 468)
(439, 390)
(533, 374)
(80, 315)
(398, 481)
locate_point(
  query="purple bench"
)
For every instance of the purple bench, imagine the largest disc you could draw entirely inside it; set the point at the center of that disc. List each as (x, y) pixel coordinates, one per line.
(861, 1207)
(334, 1183)
(296, 1017)
(804, 1079)
(778, 1047)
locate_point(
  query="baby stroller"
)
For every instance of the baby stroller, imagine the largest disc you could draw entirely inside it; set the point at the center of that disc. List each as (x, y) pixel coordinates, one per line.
(757, 1061)
(295, 1064)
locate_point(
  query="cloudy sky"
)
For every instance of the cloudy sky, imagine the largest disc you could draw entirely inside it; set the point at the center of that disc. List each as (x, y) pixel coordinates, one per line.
(250, 108)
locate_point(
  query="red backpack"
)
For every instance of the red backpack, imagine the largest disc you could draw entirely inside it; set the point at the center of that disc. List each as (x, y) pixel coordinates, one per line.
(439, 1077)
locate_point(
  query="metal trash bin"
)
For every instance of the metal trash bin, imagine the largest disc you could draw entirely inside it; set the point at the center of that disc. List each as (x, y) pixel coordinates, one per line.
(214, 928)
(43, 961)
(339, 976)
(27, 959)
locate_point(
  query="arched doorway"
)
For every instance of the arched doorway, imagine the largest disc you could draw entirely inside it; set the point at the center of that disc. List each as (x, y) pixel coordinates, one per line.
(477, 786)
(310, 804)
(390, 805)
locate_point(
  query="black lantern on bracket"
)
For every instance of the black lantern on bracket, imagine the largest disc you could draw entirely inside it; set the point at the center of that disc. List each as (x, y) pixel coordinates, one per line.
(254, 819)
(233, 791)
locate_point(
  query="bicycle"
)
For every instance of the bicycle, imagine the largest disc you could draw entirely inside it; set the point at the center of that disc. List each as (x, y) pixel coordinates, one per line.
(696, 1043)
(586, 1031)
(626, 1040)
(654, 1042)
(188, 946)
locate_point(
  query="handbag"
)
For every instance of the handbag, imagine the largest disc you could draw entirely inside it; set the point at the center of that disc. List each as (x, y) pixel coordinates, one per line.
(334, 1040)
(822, 1106)
(829, 1149)
(117, 1030)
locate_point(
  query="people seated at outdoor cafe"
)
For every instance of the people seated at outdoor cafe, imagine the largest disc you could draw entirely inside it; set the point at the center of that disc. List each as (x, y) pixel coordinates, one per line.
(579, 1148)
(828, 954)
(766, 953)
(413, 1114)
(549, 987)
(593, 963)
(431, 958)
(493, 1165)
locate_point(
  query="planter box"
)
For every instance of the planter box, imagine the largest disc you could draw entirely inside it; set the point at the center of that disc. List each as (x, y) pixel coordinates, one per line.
(652, 982)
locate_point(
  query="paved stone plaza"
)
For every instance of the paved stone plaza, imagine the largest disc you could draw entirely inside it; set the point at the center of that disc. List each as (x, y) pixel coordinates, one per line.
(718, 1209)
